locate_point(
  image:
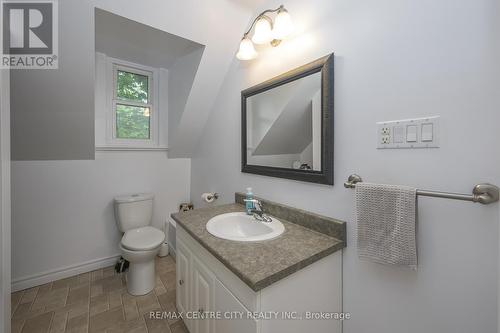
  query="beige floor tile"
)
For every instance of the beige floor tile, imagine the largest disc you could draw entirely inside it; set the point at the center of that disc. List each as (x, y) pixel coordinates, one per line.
(78, 323)
(159, 287)
(130, 308)
(179, 327)
(106, 319)
(112, 283)
(23, 311)
(156, 325)
(147, 303)
(96, 275)
(58, 324)
(99, 304)
(67, 282)
(50, 299)
(95, 290)
(115, 299)
(108, 271)
(81, 294)
(85, 277)
(16, 325)
(78, 309)
(29, 295)
(15, 298)
(134, 326)
(74, 309)
(167, 302)
(96, 302)
(45, 287)
(38, 324)
(168, 279)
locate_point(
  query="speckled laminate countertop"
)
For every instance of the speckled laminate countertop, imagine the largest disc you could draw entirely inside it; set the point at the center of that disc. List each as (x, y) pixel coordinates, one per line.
(260, 264)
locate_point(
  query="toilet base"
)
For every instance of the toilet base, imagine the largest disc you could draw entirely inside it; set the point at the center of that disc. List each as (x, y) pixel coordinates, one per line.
(141, 278)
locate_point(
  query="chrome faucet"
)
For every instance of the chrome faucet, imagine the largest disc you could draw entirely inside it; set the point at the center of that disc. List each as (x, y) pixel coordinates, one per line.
(258, 212)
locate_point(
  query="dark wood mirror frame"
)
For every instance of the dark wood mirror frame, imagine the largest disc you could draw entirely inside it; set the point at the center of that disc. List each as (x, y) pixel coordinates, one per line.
(325, 176)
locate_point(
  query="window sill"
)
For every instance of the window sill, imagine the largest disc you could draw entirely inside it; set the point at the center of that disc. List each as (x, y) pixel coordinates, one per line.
(125, 148)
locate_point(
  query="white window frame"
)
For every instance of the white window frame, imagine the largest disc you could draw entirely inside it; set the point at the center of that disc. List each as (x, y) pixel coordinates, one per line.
(113, 65)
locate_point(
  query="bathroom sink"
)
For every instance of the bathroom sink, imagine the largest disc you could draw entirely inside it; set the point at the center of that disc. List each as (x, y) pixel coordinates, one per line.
(243, 228)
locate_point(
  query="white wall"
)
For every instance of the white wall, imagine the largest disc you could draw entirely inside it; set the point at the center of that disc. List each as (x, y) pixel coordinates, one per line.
(47, 128)
(63, 210)
(395, 59)
(5, 223)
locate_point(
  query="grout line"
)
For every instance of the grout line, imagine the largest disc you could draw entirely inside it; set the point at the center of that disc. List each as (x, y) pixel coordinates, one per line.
(51, 320)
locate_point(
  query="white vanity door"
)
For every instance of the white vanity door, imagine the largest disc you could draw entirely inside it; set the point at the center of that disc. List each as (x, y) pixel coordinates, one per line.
(235, 315)
(202, 297)
(183, 257)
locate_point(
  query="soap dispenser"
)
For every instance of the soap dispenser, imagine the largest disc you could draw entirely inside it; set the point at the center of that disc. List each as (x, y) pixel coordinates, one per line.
(248, 201)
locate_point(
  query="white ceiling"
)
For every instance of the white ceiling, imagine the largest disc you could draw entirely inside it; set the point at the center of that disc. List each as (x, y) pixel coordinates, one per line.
(122, 38)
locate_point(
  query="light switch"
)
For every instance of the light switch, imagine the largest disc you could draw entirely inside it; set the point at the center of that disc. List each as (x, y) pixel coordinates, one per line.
(411, 133)
(399, 134)
(427, 132)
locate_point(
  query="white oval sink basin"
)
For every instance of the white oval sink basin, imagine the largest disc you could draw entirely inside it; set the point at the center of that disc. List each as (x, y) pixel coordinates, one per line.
(244, 228)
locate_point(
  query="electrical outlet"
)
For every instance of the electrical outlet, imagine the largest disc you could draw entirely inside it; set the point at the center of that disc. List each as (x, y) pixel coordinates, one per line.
(385, 130)
(385, 139)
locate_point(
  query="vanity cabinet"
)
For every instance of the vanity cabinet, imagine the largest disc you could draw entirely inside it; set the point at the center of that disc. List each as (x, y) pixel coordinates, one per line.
(206, 286)
(183, 259)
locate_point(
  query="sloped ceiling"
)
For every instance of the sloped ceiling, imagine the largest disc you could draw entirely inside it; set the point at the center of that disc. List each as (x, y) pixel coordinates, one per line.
(119, 37)
(216, 24)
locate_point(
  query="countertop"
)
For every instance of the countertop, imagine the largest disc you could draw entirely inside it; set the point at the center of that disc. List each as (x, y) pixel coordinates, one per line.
(259, 264)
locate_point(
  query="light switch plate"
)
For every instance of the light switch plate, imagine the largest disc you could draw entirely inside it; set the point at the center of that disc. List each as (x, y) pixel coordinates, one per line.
(408, 133)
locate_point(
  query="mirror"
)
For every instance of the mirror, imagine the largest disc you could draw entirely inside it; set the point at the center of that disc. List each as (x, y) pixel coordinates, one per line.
(287, 124)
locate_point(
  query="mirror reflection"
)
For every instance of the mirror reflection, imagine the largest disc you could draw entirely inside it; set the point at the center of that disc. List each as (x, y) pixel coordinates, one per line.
(284, 125)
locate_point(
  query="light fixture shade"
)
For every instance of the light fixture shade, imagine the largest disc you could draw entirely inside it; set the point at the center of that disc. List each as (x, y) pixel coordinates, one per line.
(246, 51)
(283, 25)
(263, 31)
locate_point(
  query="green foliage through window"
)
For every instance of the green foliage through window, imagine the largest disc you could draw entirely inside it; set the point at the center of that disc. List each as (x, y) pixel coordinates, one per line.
(132, 122)
(131, 86)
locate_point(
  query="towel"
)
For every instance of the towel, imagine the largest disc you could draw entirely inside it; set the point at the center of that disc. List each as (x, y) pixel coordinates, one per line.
(386, 219)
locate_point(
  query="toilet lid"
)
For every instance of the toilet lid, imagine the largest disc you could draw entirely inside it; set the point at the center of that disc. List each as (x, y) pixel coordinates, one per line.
(142, 239)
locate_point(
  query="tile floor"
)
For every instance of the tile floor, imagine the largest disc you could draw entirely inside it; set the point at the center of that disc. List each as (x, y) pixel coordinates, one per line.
(97, 302)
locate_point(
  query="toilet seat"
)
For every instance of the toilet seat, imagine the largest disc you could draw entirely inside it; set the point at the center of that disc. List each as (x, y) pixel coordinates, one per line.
(142, 239)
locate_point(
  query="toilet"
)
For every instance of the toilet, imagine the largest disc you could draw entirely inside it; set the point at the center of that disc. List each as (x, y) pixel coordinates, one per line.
(140, 242)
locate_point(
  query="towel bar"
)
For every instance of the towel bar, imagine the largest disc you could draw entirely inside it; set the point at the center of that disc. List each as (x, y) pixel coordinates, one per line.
(482, 193)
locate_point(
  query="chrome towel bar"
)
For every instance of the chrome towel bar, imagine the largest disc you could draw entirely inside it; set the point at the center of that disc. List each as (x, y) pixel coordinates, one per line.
(482, 193)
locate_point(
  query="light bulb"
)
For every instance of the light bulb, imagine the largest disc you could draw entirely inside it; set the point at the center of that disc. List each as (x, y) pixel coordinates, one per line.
(246, 51)
(283, 25)
(263, 31)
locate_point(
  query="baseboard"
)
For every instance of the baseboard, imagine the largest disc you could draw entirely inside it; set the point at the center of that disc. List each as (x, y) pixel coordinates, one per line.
(61, 273)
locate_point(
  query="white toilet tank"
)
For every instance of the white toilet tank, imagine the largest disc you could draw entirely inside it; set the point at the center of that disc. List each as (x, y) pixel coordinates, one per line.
(133, 211)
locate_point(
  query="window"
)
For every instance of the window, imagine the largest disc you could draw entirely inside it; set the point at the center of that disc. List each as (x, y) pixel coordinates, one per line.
(133, 117)
(132, 107)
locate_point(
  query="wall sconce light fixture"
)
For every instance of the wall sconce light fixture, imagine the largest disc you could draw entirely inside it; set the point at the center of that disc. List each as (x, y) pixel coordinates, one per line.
(266, 31)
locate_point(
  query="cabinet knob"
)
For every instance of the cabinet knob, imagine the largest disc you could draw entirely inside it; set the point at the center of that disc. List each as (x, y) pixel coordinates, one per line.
(181, 282)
